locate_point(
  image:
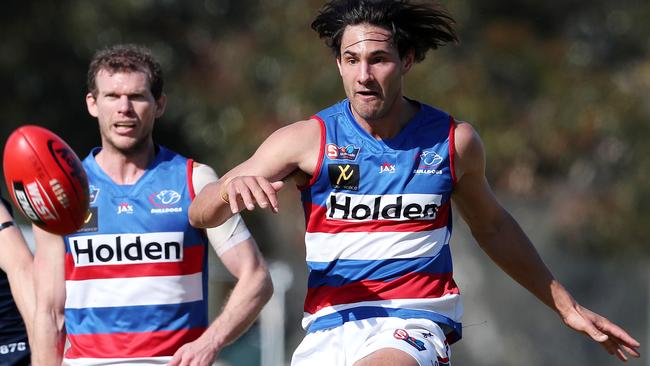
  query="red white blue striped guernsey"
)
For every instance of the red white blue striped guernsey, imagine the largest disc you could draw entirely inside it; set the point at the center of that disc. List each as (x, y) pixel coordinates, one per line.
(378, 221)
(136, 273)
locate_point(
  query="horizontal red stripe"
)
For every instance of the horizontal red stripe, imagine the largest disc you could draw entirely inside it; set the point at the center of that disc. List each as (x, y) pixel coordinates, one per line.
(318, 223)
(410, 286)
(129, 345)
(192, 263)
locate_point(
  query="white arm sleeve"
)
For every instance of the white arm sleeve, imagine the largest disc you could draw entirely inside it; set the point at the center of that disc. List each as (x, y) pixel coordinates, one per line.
(231, 232)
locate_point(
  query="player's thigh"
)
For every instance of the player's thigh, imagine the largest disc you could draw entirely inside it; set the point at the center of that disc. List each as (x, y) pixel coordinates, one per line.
(320, 348)
(405, 342)
(388, 357)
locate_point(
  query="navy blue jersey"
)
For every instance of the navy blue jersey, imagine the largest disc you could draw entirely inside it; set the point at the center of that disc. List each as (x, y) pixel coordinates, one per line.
(14, 349)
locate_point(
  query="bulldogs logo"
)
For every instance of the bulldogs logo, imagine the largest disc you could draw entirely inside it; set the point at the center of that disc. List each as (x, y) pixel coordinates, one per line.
(165, 201)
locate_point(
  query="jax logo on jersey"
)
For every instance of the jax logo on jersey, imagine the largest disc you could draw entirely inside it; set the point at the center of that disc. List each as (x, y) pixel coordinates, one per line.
(400, 207)
(429, 163)
(387, 167)
(110, 249)
(335, 152)
(124, 208)
(164, 201)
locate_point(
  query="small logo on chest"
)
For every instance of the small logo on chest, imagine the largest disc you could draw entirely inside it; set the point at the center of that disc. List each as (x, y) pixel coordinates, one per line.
(344, 176)
(387, 167)
(93, 192)
(91, 222)
(165, 201)
(349, 152)
(124, 208)
(430, 162)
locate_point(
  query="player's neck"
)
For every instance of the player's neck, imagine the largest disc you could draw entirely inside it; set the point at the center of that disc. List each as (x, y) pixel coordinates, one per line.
(392, 123)
(125, 167)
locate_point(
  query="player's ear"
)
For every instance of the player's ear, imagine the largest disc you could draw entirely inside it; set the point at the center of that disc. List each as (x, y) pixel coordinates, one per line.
(407, 61)
(91, 104)
(338, 64)
(161, 103)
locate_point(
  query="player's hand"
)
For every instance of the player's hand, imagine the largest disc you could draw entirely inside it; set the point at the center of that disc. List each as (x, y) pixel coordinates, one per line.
(612, 337)
(248, 192)
(197, 353)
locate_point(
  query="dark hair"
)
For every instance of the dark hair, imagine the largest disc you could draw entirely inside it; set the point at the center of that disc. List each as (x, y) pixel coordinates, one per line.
(126, 57)
(415, 26)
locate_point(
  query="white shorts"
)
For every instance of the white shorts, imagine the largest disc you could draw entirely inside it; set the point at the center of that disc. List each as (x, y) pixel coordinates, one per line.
(352, 341)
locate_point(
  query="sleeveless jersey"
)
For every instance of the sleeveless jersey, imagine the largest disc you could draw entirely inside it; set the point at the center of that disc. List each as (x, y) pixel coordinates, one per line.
(14, 348)
(378, 219)
(136, 272)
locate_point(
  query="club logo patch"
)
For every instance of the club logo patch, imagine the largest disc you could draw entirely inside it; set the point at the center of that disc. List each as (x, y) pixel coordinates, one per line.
(344, 176)
(165, 201)
(335, 152)
(429, 163)
(93, 192)
(403, 335)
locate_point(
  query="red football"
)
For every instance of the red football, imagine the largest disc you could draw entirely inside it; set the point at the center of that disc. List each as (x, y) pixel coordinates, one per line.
(46, 180)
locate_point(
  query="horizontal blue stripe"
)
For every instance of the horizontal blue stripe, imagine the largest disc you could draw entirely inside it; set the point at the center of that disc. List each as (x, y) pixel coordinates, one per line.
(343, 271)
(452, 328)
(133, 319)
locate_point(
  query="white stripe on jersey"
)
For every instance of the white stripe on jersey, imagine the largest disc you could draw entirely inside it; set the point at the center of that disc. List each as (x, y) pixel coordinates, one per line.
(449, 305)
(324, 247)
(134, 291)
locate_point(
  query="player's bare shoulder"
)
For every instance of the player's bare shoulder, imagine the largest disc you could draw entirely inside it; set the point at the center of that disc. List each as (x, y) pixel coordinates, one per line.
(469, 151)
(297, 145)
(302, 133)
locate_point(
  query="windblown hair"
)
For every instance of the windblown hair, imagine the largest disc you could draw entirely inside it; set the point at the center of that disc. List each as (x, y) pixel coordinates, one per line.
(415, 26)
(129, 58)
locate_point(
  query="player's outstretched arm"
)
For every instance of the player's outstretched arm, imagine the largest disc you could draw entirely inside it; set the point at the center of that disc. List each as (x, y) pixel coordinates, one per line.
(253, 289)
(49, 279)
(16, 262)
(503, 240)
(255, 182)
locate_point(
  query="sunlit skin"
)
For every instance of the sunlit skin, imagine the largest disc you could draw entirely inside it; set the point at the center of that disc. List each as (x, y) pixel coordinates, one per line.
(126, 111)
(372, 73)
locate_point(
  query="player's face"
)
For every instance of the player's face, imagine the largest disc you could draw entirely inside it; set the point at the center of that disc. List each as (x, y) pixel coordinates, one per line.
(126, 110)
(371, 70)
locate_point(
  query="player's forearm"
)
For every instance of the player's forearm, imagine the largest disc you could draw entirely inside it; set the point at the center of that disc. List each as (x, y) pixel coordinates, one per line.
(22, 290)
(17, 263)
(49, 284)
(247, 299)
(509, 247)
(48, 338)
(209, 209)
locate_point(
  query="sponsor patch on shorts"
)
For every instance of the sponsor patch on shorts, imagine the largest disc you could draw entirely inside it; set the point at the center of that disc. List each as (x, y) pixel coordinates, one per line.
(404, 335)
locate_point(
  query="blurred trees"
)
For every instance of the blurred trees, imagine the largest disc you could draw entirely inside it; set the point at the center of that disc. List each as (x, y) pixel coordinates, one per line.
(558, 93)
